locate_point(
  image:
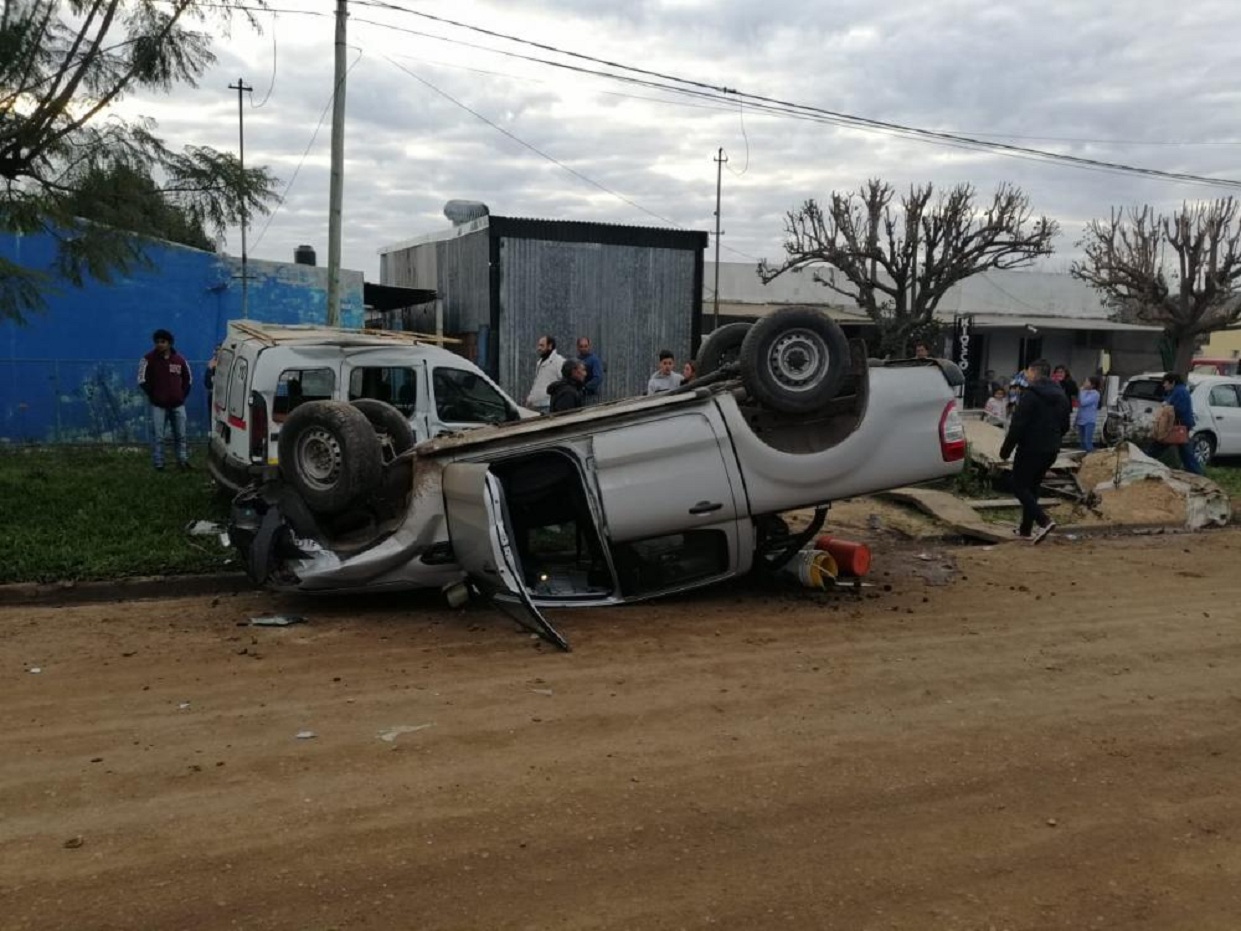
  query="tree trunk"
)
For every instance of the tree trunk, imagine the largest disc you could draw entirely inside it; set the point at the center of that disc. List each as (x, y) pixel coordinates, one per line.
(1184, 353)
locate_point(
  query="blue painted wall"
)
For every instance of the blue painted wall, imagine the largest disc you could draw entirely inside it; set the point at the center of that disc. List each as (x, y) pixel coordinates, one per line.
(70, 374)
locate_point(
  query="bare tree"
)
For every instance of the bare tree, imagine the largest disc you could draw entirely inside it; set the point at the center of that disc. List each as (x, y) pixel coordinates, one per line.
(1182, 272)
(63, 65)
(896, 262)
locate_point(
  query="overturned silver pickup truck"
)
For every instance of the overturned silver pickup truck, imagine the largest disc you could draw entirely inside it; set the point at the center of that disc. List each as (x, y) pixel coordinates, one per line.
(623, 501)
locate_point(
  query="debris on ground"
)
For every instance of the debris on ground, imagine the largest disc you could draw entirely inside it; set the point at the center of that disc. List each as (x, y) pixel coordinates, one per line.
(1133, 488)
(392, 733)
(951, 511)
(204, 528)
(277, 620)
(305, 735)
(985, 440)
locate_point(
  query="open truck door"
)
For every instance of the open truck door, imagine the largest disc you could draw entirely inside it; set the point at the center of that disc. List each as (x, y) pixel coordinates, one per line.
(482, 539)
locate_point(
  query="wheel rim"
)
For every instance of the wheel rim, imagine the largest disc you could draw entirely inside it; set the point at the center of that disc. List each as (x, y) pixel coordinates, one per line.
(799, 360)
(319, 458)
(1202, 450)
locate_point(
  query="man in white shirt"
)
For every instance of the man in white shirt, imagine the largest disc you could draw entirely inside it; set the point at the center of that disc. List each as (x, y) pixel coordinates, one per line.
(546, 371)
(665, 379)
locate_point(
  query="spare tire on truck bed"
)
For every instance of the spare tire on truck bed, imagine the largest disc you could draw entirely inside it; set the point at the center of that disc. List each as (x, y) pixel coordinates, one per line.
(721, 346)
(389, 424)
(795, 360)
(330, 454)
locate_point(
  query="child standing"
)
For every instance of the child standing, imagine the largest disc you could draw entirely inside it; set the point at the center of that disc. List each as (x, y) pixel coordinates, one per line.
(997, 404)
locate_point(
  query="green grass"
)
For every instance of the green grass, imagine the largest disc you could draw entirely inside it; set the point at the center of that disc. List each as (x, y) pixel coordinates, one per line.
(74, 513)
(1228, 477)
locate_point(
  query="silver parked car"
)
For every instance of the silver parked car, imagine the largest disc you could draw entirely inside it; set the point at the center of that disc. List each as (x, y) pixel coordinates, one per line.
(623, 501)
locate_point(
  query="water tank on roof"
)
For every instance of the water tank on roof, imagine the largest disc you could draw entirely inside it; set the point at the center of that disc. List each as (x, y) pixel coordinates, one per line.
(463, 211)
(304, 255)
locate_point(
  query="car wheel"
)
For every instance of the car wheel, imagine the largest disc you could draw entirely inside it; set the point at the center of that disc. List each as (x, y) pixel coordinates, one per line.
(721, 347)
(330, 454)
(1202, 445)
(395, 432)
(795, 360)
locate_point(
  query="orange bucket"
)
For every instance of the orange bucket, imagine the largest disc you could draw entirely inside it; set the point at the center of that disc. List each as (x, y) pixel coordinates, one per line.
(851, 558)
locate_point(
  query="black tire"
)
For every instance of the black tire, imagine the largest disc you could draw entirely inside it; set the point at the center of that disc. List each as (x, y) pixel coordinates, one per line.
(721, 347)
(330, 454)
(390, 425)
(1203, 447)
(795, 360)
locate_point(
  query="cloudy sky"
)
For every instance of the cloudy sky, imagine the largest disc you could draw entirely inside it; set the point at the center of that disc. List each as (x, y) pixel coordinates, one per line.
(1143, 83)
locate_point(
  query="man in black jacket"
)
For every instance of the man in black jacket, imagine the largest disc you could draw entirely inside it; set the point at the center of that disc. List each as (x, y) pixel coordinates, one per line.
(567, 393)
(1039, 421)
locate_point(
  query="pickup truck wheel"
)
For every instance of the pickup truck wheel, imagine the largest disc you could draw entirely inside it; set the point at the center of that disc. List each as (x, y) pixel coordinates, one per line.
(795, 360)
(330, 454)
(389, 424)
(721, 347)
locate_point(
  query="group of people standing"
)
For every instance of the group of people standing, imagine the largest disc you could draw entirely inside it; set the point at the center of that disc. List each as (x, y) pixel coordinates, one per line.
(1040, 418)
(1086, 398)
(562, 384)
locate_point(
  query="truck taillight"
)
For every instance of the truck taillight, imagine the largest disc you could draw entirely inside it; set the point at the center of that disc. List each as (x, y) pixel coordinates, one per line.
(951, 434)
(258, 427)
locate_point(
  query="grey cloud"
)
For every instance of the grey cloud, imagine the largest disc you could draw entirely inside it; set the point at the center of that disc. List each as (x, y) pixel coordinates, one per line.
(1142, 72)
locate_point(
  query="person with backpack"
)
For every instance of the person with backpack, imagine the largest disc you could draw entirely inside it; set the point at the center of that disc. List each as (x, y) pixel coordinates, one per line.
(1039, 421)
(1174, 423)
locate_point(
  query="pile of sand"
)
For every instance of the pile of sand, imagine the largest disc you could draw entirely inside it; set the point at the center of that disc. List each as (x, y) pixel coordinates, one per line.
(1133, 488)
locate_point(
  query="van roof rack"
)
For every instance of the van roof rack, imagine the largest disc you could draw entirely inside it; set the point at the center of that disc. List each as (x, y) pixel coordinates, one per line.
(276, 333)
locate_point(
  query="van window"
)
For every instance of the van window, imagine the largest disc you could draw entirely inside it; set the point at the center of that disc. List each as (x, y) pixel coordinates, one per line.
(395, 385)
(237, 387)
(462, 396)
(297, 386)
(219, 383)
(661, 563)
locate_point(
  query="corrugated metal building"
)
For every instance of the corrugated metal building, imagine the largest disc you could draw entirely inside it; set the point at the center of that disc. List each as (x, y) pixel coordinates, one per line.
(501, 282)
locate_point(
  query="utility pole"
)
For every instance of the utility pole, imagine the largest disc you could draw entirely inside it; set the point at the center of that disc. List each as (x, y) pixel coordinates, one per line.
(719, 160)
(338, 171)
(242, 88)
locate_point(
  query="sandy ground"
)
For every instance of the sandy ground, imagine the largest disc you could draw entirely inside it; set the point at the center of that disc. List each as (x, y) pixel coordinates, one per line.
(1048, 740)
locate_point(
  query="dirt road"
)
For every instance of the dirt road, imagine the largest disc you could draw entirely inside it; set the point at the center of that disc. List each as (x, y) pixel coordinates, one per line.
(1052, 740)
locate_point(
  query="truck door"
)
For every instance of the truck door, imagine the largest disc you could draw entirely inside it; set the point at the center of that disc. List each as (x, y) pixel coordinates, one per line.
(481, 532)
(671, 495)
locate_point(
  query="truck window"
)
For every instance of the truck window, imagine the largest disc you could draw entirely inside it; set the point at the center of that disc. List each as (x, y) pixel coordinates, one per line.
(393, 385)
(237, 386)
(297, 386)
(462, 396)
(661, 563)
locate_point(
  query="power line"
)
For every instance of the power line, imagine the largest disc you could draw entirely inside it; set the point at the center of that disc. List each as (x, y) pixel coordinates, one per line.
(537, 151)
(831, 116)
(555, 161)
(272, 85)
(313, 136)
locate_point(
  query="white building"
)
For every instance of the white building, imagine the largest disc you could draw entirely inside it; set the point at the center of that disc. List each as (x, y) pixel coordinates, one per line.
(1016, 317)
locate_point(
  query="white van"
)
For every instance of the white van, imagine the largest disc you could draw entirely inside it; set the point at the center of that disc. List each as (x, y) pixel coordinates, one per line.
(264, 371)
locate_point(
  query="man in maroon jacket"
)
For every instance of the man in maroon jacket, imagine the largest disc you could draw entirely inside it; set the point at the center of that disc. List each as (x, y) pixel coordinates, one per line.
(164, 376)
